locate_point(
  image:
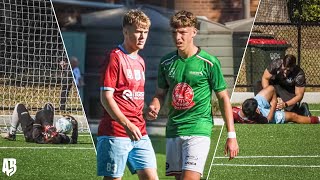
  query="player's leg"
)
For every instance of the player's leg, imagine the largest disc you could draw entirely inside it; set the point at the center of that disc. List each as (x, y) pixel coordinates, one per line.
(26, 122)
(174, 157)
(294, 117)
(267, 93)
(286, 96)
(195, 150)
(74, 136)
(142, 160)
(49, 107)
(14, 123)
(304, 109)
(112, 156)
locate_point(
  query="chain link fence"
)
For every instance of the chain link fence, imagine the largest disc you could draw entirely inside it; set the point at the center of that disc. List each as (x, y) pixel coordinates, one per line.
(276, 20)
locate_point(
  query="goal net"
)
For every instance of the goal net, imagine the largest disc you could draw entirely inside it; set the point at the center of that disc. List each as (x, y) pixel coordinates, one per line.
(34, 68)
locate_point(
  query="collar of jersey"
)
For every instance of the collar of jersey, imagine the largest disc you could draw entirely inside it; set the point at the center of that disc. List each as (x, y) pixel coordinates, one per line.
(125, 52)
(191, 57)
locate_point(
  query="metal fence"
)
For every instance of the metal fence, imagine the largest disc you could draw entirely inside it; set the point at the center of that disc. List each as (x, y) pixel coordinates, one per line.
(303, 39)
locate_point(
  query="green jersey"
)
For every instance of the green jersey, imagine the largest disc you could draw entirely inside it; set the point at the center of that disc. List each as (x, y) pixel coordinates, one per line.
(190, 83)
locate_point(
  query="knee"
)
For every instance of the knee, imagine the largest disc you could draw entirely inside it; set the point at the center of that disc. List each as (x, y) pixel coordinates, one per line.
(150, 174)
(20, 108)
(271, 88)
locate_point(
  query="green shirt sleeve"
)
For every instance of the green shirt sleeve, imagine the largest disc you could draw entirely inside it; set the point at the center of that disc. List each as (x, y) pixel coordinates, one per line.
(162, 82)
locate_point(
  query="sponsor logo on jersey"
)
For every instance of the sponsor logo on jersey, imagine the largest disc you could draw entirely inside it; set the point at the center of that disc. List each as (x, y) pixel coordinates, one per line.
(136, 74)
(135, 95)
(182, 96)
(196, 73)
(190, 163)
(289, 80)
(9, 166)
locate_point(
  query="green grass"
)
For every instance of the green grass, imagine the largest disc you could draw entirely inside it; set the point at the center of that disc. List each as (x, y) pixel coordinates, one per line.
(274, 144)
(50, 161)
(265, 152)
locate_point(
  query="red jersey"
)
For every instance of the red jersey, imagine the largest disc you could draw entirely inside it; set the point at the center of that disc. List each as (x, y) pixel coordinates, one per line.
(124, 75)
(244, 120)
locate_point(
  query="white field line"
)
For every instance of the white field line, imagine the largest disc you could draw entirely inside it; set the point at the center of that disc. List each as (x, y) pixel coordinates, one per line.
(215, 152)
(69, 134)
(254, 157)
(268, 165)
(49, 147)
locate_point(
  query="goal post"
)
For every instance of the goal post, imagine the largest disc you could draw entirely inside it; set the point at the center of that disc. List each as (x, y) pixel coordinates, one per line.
(34, 68)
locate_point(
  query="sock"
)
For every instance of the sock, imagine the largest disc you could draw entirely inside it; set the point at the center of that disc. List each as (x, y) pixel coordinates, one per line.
(14, 122)
(314, 119)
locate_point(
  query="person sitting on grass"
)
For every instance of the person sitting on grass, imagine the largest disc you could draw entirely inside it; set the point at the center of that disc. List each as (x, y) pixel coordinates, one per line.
(264, 108)
(41, 129)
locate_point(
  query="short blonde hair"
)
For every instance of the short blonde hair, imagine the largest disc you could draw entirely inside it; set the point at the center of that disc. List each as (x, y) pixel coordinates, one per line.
(183, 19)
(136, 17)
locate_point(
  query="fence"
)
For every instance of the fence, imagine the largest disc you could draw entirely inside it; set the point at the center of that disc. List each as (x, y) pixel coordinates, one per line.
(278, 19)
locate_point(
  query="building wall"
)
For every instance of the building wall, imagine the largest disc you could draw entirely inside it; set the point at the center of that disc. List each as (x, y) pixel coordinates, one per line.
(215, 10)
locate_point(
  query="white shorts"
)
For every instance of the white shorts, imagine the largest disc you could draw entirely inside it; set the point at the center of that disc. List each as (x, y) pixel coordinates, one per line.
(186, 153)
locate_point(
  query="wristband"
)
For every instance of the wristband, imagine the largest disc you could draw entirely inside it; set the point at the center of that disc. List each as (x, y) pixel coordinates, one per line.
(232, 135)
(285, 105)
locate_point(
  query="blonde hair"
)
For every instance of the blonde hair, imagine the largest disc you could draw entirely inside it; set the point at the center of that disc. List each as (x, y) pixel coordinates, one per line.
(136, 17)
(183, 19)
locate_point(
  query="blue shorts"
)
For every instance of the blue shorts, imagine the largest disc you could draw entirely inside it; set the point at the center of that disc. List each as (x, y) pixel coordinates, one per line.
(113, 153)
(264, 107)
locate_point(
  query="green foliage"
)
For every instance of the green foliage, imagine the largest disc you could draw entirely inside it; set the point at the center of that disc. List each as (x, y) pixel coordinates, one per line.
(310, 10)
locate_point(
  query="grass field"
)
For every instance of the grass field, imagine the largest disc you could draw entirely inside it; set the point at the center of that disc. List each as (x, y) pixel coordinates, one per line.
(289, 151)
(47, 161)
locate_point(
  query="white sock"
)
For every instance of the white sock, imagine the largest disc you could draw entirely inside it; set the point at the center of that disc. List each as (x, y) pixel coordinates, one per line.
(14, 121)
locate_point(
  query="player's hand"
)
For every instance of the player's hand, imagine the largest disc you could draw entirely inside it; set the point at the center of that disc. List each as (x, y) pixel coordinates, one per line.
(280, 104)
(152, 113)
(133, 132)
(231, 147)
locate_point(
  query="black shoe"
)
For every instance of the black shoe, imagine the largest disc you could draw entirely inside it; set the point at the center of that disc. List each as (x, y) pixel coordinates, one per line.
(10, 137)
(305, 109)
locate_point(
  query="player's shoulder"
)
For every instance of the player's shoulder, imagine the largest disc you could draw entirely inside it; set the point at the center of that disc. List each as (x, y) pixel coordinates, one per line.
(115, 51)
(209, 58)
(169, 58)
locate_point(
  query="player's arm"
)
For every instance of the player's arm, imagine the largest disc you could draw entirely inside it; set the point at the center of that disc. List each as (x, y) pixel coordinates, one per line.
(266, 78)
(226, 111)
(156, 103)
(299, 93)
(114, 111)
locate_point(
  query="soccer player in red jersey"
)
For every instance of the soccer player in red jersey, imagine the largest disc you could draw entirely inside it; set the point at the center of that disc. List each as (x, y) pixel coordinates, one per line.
(122, 136)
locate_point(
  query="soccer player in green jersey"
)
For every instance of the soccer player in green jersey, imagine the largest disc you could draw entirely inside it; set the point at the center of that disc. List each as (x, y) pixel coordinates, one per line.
(188, 76)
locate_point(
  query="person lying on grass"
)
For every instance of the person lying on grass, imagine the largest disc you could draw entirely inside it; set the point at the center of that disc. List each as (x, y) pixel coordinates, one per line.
(264, 108)
(41, 129)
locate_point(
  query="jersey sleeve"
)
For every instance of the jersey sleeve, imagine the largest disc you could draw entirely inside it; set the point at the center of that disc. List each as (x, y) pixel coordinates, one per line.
(217, 80)
(300, 80)
(110, 74)
(162, 82)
